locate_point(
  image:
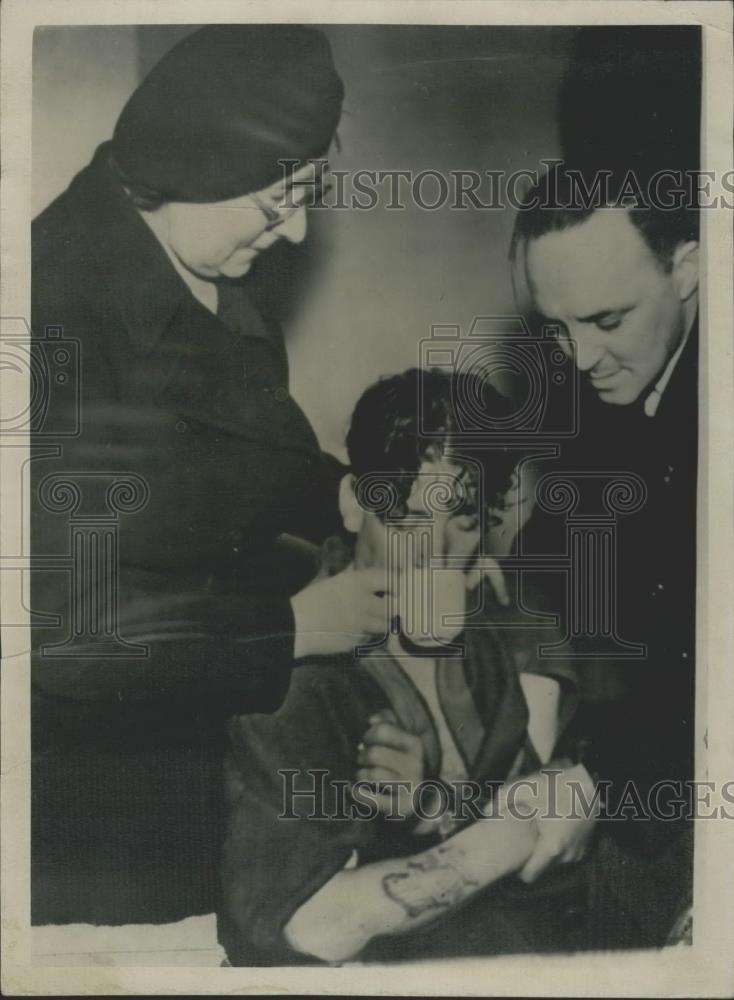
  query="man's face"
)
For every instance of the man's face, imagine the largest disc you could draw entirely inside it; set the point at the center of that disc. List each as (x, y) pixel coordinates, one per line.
(222, 239)
(605, 287)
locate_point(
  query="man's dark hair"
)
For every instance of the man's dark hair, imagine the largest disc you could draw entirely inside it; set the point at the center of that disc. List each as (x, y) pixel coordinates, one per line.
(403, 420)
(565, 196)
(631, 97)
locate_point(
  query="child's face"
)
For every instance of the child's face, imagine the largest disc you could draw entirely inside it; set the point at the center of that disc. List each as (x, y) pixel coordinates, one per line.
(427, 550)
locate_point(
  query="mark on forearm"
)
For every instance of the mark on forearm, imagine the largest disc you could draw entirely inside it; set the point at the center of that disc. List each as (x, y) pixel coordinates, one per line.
(432, 883)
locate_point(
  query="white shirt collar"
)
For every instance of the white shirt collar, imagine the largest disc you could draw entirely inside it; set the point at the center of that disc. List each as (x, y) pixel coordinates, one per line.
(652, 401)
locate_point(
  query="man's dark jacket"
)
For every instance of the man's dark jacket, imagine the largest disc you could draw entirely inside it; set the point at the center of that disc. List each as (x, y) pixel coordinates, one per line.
(196, 415)
(639, 717)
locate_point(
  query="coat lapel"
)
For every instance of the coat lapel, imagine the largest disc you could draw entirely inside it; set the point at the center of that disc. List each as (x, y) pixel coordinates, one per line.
(492, 679)
(482, 701)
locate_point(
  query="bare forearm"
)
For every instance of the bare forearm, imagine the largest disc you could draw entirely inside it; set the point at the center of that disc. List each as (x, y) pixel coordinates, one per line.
(401, 895)
(542, 696)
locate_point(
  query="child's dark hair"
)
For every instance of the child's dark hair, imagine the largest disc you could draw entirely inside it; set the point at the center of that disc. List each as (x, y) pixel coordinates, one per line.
(403, 420)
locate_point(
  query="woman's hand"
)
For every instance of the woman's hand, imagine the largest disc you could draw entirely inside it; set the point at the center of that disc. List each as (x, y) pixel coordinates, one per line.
(338, 613)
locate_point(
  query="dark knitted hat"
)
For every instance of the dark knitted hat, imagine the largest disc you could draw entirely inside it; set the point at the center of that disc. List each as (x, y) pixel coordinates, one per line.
(216, 114)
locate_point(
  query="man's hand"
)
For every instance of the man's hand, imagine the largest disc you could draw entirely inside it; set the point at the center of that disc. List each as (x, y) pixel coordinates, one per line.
(564, 807)
(389, 753)
(338, 613)
(518, 505)
(491, 571)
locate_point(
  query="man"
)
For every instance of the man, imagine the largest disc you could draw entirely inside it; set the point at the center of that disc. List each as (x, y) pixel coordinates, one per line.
(186, 463)
(621, 285)
(307, 875)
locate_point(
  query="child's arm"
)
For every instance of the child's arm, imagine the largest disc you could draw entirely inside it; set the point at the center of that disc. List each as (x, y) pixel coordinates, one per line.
(542, 695)
(400, 895)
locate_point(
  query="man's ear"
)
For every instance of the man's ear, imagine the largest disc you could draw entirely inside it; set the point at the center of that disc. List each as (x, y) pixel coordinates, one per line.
(352, 514)
(685, 269)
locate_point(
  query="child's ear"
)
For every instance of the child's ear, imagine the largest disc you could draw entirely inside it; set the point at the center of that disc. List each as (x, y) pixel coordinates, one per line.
(352, 514)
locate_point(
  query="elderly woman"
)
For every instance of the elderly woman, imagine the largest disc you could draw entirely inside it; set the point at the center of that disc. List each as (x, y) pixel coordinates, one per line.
(182, 615)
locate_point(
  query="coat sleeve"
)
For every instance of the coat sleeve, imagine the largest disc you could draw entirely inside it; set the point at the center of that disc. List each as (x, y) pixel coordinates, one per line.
(189, 606)
(168, 613)
(288, 830)
(314, 522)
(174, 644)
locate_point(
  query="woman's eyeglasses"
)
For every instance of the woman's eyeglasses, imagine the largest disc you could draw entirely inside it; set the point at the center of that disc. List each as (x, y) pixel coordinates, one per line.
(312, 194)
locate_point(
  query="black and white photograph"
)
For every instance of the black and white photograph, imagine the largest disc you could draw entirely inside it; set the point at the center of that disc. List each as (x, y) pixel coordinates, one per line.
(367, 544)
